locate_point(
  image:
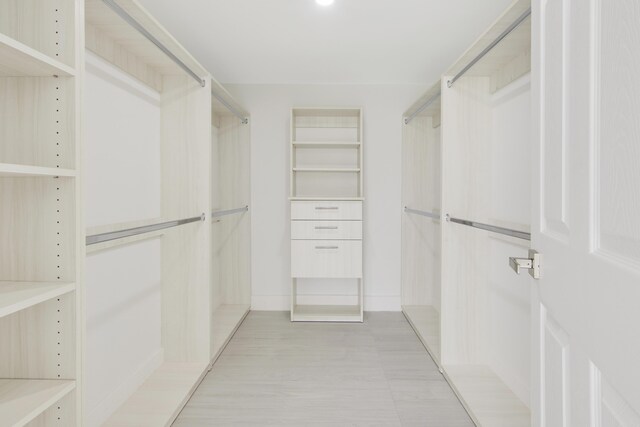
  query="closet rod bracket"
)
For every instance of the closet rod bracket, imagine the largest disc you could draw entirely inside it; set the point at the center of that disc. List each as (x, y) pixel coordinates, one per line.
(532, 264)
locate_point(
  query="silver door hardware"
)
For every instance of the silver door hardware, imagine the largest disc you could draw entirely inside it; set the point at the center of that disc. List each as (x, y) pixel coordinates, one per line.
(330, 208)
(326, 228)
(532, 263)
(327, 247)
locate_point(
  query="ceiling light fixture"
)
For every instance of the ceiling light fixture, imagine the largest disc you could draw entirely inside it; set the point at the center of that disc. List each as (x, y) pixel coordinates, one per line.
(325, 2)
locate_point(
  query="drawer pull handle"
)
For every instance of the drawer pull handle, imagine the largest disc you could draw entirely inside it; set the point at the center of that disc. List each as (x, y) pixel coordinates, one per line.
(327, 208)
(326, 228)
(327, 247)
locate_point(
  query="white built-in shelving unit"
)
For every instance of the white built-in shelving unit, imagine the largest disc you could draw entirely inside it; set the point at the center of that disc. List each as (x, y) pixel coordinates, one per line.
(41, 248)
(186, 153)
(326, 213)
(421, 227)
(466, 161)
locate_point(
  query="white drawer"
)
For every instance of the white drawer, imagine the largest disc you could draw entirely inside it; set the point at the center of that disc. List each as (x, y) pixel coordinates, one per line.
(331, 210)
(326, 230)
(326, 259)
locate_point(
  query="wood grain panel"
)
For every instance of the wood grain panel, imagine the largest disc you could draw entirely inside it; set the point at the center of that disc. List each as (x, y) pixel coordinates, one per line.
(326, 258)
(618, 132)
(37, 222)
(326, 230)
(38, 123)
(40, 342)
(45, 25)
(186, 251)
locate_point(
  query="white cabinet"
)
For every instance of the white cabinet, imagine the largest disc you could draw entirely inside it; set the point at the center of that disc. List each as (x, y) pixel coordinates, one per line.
(337, 259)
(327, 230)
(326, 211)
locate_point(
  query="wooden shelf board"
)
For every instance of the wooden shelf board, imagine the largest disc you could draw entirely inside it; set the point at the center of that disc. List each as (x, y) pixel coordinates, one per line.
(425, 321)
(327, 313)
(328, 198)
(326, 144)
(159, 400)
(16, 296)
(338, 170)
(226, 320)
(17, 60)
(21, 401)
(488, 399)
(13, 170)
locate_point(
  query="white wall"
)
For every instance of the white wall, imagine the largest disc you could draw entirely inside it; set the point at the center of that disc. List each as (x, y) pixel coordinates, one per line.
(270, 107)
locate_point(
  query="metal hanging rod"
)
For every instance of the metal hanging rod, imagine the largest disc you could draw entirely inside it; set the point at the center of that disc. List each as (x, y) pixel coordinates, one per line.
(493, 44)
(218, 214)
(138, 27)
(231, 108)
(423, 213)
(424, 106)
(500, 230)
(113, 235)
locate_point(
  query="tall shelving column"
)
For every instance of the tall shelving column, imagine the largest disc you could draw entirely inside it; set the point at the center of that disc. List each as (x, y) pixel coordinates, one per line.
(231, 217)
(125, 35)
(40, 216)
(326, 213)
(421, 224)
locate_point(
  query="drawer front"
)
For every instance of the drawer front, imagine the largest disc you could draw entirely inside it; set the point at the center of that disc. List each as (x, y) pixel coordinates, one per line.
(330, 210)
(326, 230)
(330, 259)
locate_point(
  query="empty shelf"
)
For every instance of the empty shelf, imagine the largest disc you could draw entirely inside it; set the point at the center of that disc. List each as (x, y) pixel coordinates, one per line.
(17, 59)
(327, 313)
(490, 401)
(16, 296)
(425, 320)
(161, 397)
(225, 320)
(13, 170)
(21, 401)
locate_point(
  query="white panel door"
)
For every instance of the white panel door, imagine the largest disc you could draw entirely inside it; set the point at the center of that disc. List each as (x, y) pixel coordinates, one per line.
(586, 310)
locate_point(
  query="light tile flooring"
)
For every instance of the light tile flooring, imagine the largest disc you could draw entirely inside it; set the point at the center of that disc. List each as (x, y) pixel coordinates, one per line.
(274, 372)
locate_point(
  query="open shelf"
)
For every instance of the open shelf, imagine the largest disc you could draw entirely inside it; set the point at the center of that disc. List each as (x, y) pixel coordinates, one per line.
(326, 313)
(226, 319)
(425, 321)
(326, 144)
(159, 400)
(490, 402)
(17, 59)
(339, 170)
(21, 401)
(13, 170)
(16, 296)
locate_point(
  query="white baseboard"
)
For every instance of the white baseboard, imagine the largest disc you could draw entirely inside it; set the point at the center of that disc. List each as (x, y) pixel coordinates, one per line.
(282, 302)
(103, 410)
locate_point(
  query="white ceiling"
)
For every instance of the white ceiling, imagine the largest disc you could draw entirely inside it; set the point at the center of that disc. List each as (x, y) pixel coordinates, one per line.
(353, 41)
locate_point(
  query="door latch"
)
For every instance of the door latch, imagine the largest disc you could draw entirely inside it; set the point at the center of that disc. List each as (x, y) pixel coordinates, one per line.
(532, 264)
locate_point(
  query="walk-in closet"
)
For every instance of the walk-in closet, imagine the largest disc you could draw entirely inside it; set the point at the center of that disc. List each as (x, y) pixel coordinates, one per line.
(466, 199)
(319, 212)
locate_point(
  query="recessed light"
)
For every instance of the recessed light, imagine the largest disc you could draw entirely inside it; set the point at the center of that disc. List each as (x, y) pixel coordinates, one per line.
(325, 2)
